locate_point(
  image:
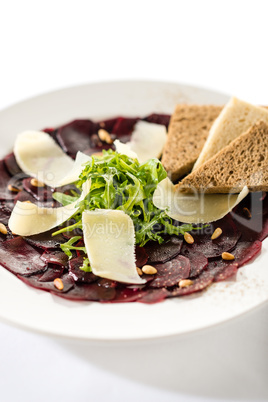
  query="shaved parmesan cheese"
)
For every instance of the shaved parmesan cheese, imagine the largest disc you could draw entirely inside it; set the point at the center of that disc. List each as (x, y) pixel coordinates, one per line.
(40, 156)
(194, 208)
(147, 141)
(78, 166)
(28, 219)
(109, 238)
(124, 149)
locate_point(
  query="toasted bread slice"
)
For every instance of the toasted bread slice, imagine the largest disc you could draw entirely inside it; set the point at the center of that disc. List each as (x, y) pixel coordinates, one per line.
(188, 130)
(244, 162)
(236, 118)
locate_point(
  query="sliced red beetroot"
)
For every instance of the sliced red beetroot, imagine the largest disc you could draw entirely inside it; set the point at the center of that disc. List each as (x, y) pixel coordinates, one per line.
(82, 135)
(52, 273)
(55, 257)
(198, 261)
(226, 273)
(39, 193)
(78, 274)
(141, 256)
(214, 248)
(20, 258)
(5, 213)
(159, 253)
(90, 292)
(108, 124)
(11, 165)
(5, 179)
(49, 130)
(153, 296)
(45, 240)
(76, 136)
(251, 217)
(124, 126)
(158, 119)
(223, 270)
(128, 295)
(121, 128)
(35, 282)
(243, 252)
(246, 251)
(171, 272)
(264, 232)
(200, 283)
(23, 196)
(107, 283)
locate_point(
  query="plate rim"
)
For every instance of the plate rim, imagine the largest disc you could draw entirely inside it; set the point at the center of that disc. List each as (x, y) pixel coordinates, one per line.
(135, 338)
(115, 81)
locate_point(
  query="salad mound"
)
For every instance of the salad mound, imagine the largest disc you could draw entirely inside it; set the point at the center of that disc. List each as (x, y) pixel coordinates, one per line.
(122, 183)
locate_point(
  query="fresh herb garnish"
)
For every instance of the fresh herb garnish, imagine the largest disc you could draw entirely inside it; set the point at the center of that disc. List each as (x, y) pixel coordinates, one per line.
(122, 183)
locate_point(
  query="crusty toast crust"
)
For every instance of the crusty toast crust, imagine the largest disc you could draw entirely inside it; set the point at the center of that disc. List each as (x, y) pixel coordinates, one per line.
(187, 133)
(244, 162)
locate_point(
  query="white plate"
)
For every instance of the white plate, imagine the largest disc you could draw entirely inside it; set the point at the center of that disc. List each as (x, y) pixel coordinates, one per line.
(40, 311)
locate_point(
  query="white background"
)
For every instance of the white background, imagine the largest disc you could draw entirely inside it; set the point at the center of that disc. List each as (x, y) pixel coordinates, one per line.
(223, 45)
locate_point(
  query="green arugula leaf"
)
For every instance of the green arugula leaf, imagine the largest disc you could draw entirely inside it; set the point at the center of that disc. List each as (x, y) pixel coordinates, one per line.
(64, 199)
(86, 266)
(69, 245)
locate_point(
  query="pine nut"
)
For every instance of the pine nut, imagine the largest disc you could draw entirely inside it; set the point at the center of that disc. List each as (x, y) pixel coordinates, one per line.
(3, 229)
(13, 189)
(36, 183)
(247, 212)
(184, 283)
(58, 284)
(149, 270)
(139, 271)
(188, 238)
(105, 136)
(227, 256)
(217, 232)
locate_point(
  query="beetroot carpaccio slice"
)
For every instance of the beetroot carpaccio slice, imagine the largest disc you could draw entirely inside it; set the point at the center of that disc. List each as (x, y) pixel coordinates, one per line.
(5, 212)
(89, 292)
(76, 136)
(5, 179)
(77, 274)
(171, 272)
(43, 193)
(23, 196)
(46, 241)
(56, 257)
(198, 261)
(20, 258)
(38, 260)
(36, 282)
(160, 253)
(53, 272)
(224, 243)
(11, 165)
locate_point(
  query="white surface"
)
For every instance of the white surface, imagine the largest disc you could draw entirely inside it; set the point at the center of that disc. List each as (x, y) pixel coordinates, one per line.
(221, 45)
